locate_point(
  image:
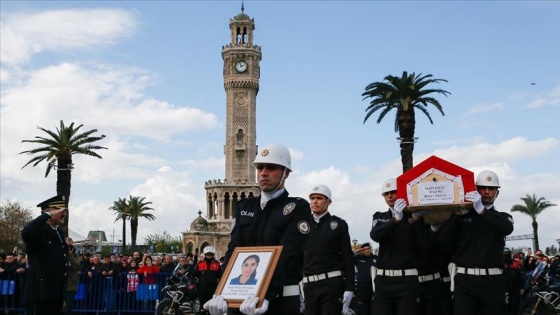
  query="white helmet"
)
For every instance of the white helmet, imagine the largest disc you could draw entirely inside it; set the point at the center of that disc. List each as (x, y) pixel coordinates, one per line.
(209, 250)
(274, 154)
(487, 179)
(389, 185)
(321, 189)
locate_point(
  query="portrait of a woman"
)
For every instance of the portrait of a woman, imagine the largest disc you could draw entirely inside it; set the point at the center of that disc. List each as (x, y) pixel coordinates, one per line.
(248, 271)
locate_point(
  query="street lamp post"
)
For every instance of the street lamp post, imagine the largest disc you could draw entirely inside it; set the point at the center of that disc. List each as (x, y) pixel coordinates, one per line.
(355, 241)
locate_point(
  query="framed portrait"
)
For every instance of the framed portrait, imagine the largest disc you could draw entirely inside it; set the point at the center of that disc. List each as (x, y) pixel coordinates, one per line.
(248, 272)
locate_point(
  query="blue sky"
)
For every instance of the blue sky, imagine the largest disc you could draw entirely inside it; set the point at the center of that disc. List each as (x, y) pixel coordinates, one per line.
(148, 74)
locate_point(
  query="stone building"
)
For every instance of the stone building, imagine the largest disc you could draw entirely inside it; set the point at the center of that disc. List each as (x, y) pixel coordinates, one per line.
(241, 82)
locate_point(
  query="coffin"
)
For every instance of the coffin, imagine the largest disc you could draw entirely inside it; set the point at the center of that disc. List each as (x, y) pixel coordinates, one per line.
(436, 187)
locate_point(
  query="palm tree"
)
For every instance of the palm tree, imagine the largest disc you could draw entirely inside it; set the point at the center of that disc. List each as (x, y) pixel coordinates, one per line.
(533, 207)
(404, 94)
(121, 210)
(57, 150)
(137, 207)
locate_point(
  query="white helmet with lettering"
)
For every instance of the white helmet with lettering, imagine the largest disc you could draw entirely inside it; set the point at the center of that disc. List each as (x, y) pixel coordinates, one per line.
(487, 179)
(389, 185)
(321, 189)
(209, 250)
(274, 154)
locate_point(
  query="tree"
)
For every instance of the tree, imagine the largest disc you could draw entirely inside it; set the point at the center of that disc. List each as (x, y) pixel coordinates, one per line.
(57, 150)
(404, 94)
(533, 207)
(13, 217)
(137, 208)
(162, 242)
(120, 207)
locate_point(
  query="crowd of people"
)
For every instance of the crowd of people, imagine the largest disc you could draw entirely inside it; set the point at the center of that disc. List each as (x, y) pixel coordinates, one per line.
(111, 282)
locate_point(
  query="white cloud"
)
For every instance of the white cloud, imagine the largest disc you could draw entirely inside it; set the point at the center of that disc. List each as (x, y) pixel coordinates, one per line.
(552, 99)
(485, 108)
(26, 34)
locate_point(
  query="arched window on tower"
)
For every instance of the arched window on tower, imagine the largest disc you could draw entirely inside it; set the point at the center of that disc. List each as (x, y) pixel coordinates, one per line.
(240, 140)
(209, 206)
(215, 206)
(243, 196)
(251, 194)
(227, 205)
(238, 36)
(234, 200)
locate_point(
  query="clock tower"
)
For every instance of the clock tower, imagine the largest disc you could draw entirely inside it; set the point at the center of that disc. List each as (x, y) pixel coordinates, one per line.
(241, 73)
(241, 82)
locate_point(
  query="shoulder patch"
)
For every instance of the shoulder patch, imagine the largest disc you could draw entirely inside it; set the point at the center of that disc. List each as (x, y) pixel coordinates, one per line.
(303, 227)
(510, 219)
(334, 225)
(374, 223)
(289, 208)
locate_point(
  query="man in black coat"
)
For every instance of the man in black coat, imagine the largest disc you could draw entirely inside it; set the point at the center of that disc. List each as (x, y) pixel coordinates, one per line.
(273, 218)
(47, 253)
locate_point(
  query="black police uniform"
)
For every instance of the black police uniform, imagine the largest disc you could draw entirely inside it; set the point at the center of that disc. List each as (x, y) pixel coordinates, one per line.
(396, 284)
(328, 267)
(364, 288)
(283, 221)
(514, 284)
(47, 257)
(479, 242)
(435, 296)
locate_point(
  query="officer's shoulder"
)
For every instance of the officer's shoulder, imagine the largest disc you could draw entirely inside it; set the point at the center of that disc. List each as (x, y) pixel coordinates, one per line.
(339, 219)
(380, 214)
(298, 201)
(247, 201)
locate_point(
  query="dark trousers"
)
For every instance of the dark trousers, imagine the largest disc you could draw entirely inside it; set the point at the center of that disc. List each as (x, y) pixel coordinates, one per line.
(69, 302)
(402, 305)
(435, 298)
(396, 295)
(365, 297)
(288, 305)
(46, 308)
(324, 297)
(481, 295)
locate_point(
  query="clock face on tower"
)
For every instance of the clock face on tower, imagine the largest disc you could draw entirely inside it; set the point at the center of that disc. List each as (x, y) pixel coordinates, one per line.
(241, 66)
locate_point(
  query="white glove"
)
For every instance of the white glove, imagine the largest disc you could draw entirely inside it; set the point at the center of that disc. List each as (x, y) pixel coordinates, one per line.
(249, 306)
(398, 208)
(216, 305)
(346, 298)
(476, 199)
(435, 227)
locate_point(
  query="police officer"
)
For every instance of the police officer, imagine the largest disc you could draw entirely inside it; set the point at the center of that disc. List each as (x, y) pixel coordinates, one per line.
(400, 236)
(364, 261)
(514, 282)
(47, 253)
(479, 238)
(328, 267)
(273, 218)
(208, 273)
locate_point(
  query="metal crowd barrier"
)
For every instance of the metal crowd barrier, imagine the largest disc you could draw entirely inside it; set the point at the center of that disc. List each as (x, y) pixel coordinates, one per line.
(124, 293)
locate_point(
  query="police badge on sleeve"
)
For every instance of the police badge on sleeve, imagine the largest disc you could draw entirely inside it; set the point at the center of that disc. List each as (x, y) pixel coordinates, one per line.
(289, 208)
